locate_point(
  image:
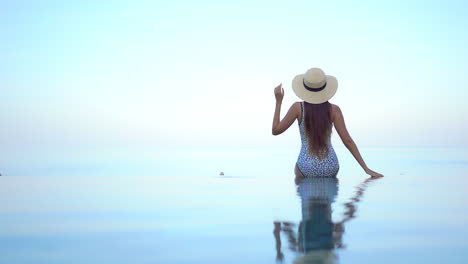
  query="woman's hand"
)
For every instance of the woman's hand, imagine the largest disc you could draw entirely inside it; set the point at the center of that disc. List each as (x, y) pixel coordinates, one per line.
(279, 93)
(374, 174)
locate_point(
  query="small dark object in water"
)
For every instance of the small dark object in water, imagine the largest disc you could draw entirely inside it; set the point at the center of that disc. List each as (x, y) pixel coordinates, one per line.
(221, 174)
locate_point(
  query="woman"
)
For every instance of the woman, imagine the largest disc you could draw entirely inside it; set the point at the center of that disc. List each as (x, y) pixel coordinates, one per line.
(316, 116)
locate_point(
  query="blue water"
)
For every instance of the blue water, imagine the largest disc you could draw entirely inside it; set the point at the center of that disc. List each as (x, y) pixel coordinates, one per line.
(171, 206)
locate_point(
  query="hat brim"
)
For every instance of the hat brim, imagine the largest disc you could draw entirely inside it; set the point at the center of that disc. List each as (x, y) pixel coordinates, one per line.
(314, 97)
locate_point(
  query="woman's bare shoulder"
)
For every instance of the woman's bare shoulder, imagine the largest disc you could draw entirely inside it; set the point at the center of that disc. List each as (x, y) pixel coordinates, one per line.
(335, 110)
(298, 105)
(298, 109)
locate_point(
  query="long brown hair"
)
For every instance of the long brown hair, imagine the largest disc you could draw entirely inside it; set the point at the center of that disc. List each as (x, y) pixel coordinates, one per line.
(318, 127)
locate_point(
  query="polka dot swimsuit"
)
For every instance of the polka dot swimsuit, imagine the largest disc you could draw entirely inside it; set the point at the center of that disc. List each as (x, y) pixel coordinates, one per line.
(312, 166)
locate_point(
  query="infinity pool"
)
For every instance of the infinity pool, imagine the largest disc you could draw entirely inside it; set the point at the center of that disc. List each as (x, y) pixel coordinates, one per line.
(172, 206)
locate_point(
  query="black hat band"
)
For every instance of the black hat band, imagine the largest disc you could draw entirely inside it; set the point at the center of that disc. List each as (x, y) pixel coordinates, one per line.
(314, 89)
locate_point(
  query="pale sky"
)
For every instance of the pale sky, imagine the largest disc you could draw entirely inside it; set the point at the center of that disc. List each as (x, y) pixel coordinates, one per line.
(202, 73)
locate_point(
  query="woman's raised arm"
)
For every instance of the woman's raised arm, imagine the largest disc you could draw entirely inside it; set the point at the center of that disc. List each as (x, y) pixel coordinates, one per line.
(281, 126)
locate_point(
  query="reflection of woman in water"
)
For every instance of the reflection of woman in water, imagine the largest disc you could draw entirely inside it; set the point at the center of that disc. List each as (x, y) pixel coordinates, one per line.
(316, 117)
(317, 235)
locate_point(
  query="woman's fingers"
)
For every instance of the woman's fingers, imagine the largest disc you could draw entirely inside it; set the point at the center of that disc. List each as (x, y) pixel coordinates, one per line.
(279, 87)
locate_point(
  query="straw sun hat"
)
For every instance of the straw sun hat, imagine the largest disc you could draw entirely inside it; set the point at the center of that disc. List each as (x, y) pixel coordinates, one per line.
(314, 86)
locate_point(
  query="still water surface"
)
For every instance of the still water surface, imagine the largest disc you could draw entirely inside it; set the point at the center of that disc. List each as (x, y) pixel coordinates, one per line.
(172, 206)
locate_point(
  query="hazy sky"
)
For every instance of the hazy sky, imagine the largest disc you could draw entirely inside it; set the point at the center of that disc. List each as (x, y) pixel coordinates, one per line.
(202, 73)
